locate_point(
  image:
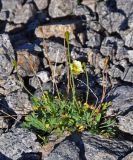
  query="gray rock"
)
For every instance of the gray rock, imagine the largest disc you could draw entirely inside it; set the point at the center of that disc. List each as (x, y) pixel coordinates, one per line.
(66, 150)
(23, 14)
(126, 6)
(19, 102)
(128, 74)
(111, 19)
(3, 15)
(93, 39)
(126, 123)
(91, 4)
(115, 72)
(129, 39)
(109, 46)
(7, 115)
(40, 78)
(6, 56)
(11, 26)
(45, 87)
(41, 4)
(82, 10)
(17, 142)
(61, 8)
(121, 98)
(99, 148)
(9, 84)
(128, 157)
(11, 5)
(55, 52)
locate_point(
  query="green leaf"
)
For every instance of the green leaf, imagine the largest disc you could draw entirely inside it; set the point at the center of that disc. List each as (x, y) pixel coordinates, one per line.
(98, 117)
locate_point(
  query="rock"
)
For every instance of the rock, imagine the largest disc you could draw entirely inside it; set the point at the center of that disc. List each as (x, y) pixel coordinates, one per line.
(121, 98)
(55, 52)
(55, 30)
(19, 102)
(23, 15)
(126, 123)
(95, 59)
(40, 78)
(99, 148)
(125, 5)
(58, 72)
(128, 74)
(9, 84)
(61, 8)
(109, 46)
(90, 3)
(84, 11)
(7, 115)
(128, 157)
(115, 72)
(27, 63)
(6, 56)
(109, 17)
(10, 27)
(18, 142)
(3, 15)
(129, 39)
(41, 4)
(93, 39)
(64, 151)
(44, 87)
(11, 5)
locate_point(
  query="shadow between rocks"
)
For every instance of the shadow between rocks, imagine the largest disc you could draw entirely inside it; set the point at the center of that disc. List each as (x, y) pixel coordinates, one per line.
(3, 157)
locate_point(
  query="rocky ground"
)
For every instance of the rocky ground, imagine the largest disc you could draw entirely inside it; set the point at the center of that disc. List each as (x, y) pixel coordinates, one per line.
(31, 35)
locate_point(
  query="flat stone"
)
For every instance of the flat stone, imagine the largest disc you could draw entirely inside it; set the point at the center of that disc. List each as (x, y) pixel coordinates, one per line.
(54, 30)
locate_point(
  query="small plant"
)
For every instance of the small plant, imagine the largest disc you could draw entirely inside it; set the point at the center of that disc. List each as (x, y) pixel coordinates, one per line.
(53, 115)
(57, 114)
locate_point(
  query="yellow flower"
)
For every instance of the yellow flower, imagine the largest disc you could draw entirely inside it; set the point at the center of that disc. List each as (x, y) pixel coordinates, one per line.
(81, 128)
(86, 106)
(35, 108)
(47, 126)
(76, 67)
